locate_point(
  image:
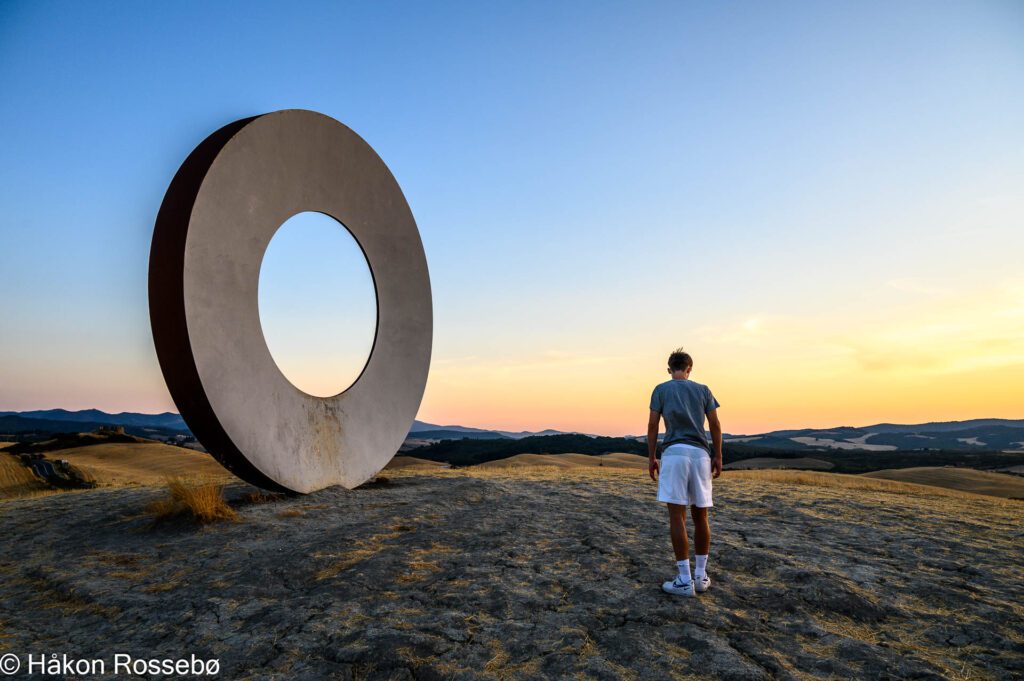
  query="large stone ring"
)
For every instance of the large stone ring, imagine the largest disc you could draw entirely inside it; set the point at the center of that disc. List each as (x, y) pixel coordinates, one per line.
(222, 208)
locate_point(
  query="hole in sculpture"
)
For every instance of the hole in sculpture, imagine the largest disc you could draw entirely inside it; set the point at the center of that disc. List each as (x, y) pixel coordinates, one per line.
(318, 306)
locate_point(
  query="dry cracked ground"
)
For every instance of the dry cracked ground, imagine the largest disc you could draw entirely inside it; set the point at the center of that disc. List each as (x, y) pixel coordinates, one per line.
(471, 574)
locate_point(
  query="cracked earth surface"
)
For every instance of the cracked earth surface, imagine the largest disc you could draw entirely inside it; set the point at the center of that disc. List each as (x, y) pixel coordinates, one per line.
(545, 573)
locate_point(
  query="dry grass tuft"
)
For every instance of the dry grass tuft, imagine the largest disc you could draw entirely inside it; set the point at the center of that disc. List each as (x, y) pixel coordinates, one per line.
(201, 501)
(292, 513)
(847, 628)
(500, 666)
(498, 661)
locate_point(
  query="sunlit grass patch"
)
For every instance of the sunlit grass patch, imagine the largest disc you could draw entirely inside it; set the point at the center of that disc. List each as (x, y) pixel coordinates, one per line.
(912, 643)
(499, 659)
(909, 640)
(848, 628)
(126, 566)
(410, 657)
(674, 651)
(418, 570)
(621, 671)
(423, 561)
(343, 561)
(169, 584)
(402, 618)
(6, 637)
(53, 594)
(17, 480)
(446, 668)
(352, 616)
(360, 551)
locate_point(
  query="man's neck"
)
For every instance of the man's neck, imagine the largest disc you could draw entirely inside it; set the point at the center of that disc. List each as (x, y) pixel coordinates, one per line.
(679, 377)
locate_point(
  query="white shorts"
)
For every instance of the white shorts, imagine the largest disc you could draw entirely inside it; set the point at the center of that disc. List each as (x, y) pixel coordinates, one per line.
(685, 476)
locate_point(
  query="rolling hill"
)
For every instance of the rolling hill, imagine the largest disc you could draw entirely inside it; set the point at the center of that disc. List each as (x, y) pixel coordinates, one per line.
(466, 452)
(122, 464)
(975, 434)
(964, 479)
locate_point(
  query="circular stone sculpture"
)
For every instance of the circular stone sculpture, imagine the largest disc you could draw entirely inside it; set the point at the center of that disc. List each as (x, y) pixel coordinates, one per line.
(222, 208)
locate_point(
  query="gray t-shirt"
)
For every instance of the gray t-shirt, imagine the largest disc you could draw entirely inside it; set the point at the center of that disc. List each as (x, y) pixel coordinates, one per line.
(684, 404)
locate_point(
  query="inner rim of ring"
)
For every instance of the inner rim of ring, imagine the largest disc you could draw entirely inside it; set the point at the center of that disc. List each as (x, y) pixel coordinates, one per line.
(291, 375)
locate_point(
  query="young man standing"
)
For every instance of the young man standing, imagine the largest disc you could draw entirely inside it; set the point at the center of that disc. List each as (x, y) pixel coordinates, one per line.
(688, 464)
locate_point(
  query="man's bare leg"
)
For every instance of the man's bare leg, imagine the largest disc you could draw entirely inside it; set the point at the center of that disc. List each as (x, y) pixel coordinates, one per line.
(702, 544)
(677, 530)
(683, 584)
(701, 530)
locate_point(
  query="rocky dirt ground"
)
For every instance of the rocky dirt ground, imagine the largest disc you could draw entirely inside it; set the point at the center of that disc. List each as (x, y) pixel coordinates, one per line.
(541, 573)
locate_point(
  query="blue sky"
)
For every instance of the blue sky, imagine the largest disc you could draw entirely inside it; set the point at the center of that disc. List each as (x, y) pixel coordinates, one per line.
(595, 183)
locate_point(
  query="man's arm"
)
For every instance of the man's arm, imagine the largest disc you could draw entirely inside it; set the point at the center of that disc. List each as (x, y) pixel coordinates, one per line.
(652, 443)
(716, 442)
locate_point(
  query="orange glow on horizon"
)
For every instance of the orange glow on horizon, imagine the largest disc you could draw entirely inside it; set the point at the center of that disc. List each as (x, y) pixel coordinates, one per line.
(948, 358)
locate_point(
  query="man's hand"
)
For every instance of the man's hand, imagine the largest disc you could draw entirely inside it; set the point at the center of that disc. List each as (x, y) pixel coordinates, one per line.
(716, 442)
(653, 421)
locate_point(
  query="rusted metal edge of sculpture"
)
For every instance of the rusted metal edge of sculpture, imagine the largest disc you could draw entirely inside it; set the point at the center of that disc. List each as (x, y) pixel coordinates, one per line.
(167, 309)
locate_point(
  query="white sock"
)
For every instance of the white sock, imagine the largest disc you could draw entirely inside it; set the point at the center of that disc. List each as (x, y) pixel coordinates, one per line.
(684, 571)
(701, 569)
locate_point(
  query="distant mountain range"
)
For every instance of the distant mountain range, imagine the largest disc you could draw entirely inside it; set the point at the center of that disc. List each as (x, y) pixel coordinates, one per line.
(972, 435)
(422, 429)
(167, 419)
(19, 425)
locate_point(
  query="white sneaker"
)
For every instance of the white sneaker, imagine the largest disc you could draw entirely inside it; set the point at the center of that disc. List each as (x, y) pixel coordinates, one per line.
(701, 583)
(678, 588)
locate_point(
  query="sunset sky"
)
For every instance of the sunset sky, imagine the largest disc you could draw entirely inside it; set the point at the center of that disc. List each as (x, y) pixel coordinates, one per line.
(822, 202)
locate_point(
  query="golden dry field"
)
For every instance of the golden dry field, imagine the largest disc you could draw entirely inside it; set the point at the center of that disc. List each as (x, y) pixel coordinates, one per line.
(17, 480)
(148, 463)
(964, 479)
